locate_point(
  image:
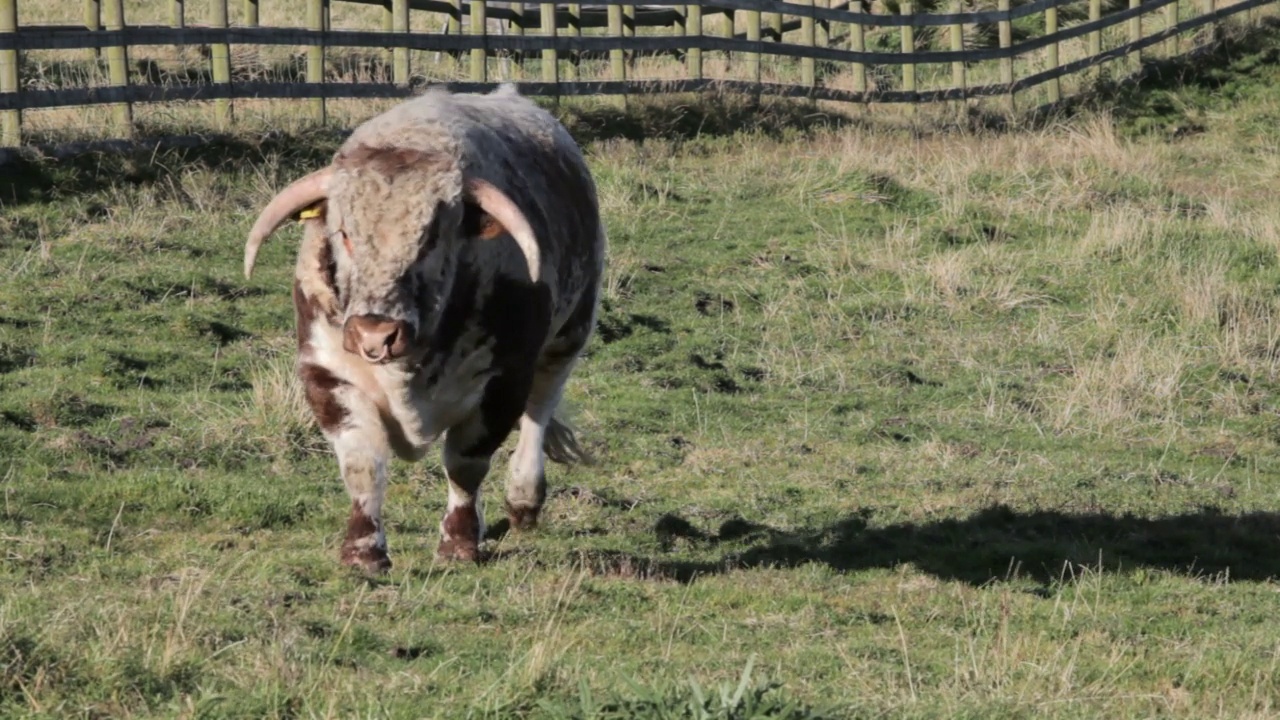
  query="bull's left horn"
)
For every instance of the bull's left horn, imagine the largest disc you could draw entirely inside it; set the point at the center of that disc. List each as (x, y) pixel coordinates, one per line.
(497, 204)
(302, 192)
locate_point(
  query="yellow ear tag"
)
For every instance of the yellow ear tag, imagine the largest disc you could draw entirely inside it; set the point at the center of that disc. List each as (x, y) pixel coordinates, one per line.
(311, 212)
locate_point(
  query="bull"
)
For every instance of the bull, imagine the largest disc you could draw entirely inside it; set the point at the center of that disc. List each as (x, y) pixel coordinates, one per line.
(446, 284)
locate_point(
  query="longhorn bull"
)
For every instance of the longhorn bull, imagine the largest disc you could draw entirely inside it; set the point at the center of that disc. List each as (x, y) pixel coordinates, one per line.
(446, 285)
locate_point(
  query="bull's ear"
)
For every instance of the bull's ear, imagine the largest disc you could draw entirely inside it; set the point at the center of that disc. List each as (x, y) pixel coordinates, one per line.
(478, 224)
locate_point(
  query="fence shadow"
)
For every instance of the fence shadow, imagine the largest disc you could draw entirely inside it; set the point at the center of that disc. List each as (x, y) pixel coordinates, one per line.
(992, 544)
(85, 167)
(1235, 55)
(716, 113)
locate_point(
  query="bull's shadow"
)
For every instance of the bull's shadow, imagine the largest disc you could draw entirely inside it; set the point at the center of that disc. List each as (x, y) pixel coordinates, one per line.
(992, 544)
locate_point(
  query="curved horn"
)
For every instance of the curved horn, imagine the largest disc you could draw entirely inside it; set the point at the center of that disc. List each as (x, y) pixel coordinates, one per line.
(300, 193)
(496, 203)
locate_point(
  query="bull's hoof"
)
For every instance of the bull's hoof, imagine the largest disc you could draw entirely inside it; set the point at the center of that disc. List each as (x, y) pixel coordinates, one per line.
(522, 517)
(458, 549)
(371, 560)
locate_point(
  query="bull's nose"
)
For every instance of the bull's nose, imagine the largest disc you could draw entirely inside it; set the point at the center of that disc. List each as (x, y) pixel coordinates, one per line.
(376, 338)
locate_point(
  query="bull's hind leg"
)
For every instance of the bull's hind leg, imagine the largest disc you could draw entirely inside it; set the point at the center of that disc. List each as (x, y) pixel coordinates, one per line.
(541, 437)
(468, 452)
(353, 431)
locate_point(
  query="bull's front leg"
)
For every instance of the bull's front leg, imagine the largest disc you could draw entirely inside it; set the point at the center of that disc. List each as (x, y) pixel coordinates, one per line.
(351, 424)
(468, 452)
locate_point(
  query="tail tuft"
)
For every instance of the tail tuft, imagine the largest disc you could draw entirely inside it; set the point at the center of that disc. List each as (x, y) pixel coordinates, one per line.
(561, 445)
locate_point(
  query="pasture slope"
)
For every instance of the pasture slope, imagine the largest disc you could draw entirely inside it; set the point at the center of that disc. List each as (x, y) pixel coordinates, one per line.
(890, 423)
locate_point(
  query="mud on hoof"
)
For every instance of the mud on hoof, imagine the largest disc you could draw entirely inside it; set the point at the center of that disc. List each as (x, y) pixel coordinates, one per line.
(372, 560)
(365, 546)
(522, 517)
(458, 549)
(460, 535)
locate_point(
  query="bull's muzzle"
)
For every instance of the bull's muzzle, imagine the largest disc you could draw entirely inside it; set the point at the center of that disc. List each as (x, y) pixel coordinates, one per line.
(376, 338)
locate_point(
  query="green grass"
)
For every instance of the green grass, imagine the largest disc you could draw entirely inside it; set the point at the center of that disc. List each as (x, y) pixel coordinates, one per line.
(890, 423)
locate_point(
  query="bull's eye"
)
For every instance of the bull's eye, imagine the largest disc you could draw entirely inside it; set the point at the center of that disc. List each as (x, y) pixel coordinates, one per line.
(430, 236)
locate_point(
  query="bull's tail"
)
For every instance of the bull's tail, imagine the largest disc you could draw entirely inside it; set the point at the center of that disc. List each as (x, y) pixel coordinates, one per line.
(562, 446)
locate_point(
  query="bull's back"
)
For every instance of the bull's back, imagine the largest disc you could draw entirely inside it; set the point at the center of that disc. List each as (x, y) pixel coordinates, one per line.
(530, 156)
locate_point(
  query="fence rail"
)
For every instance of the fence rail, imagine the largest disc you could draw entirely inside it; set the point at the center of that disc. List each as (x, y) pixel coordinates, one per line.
(560, 41)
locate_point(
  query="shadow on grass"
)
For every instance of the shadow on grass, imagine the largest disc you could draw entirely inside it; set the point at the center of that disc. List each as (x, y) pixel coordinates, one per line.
(993, 544)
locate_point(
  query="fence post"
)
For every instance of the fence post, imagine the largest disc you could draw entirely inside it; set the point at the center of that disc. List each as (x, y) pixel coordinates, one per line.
(726, 30)
(93, 20)
(389, 25)
(573, 28)
(773, 26)
(1051, 27)
(517, 28)
(858, 43)
(1135, 33)
(400, 54)
(822, 29)
(617, 59)
(808, 37)
(251, 13)
(1095, 37)
(455, 17)
(118, 67)
(10, 120)
(315, 57)
(693, 30)
(220, 60)
(1006, 42)
(909, 47)
(629, 30)
(956, 31)
(477, 23)
(550, 59)
(1171, 19)
(753, 35)
(517, 17)
(178, 20)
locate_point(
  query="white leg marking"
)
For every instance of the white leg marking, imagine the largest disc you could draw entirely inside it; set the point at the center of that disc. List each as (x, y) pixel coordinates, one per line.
(528, 461)
(526, 483)
(361, 447)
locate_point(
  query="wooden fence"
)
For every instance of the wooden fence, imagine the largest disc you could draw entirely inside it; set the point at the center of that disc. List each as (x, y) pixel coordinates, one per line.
(558, 37)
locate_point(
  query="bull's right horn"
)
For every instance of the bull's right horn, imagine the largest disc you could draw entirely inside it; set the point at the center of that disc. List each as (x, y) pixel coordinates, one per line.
(501, 208)
(300, 194)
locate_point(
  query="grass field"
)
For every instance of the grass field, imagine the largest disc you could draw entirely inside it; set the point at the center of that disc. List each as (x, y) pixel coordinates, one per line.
(889, 422)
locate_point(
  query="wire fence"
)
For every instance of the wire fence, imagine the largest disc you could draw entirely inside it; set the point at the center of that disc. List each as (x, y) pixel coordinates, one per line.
(864, 51)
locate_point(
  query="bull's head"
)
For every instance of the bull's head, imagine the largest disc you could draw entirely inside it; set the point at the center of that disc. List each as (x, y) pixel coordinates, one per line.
(394, 218)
